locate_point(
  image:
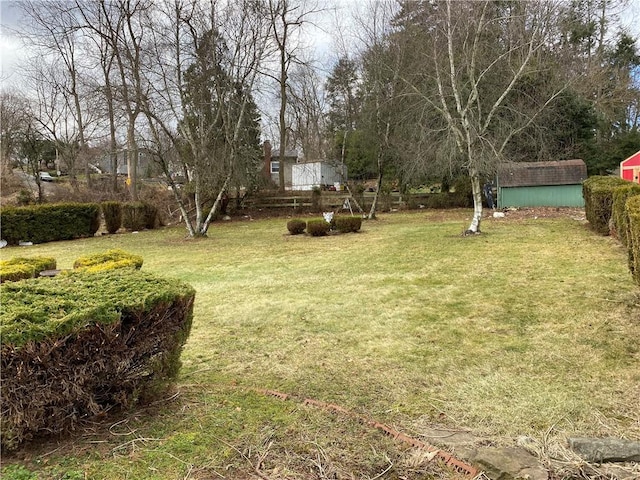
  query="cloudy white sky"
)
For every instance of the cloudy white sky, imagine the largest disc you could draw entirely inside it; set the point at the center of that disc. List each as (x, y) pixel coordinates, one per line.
(12, 53)
(9, 45)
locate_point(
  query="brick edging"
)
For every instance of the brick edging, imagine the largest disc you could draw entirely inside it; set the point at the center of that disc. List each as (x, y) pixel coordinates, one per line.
(446, 457)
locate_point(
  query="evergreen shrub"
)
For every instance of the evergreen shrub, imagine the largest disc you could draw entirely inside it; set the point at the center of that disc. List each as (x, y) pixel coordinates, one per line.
(598, 200)
(318, 227)
(151, 217)
(633, 236)
(49, 222)
(112, 212)
(83, 344)
(619, 216)
(19, 268)
(296, 226)
(16, 271)
(134, 216)
(348, 224)
(109, 260)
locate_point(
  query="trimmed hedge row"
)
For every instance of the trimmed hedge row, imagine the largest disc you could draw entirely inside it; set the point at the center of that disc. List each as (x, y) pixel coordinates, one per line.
(81, 344)
(619, 214)
(21, 268)
(318, 227)
(598, 200)
(139, 215)
(112, 212)
(612, 205)
(633, 236)
(49, 222)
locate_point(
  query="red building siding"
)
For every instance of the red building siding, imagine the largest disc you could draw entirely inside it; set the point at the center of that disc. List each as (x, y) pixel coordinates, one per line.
(630, 168)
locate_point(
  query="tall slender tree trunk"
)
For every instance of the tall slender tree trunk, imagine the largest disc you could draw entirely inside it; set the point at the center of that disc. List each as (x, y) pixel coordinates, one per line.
(132, 159)
(216, 205)
(376, 196)
(282, 119)
(476, 190)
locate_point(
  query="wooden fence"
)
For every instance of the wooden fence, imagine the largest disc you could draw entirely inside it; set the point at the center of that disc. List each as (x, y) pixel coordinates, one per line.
(331, 201)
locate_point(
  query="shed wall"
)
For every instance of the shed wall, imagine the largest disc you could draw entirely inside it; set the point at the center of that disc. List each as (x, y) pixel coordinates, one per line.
(542, 196)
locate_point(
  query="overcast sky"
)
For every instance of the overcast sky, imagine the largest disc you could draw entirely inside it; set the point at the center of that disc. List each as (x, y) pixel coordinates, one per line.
(325, 45)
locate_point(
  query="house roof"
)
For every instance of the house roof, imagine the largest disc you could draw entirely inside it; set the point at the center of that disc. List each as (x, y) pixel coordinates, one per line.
(632, 161)
(528, 174)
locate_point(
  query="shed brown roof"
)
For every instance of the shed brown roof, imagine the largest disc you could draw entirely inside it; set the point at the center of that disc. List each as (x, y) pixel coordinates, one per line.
(529, 174)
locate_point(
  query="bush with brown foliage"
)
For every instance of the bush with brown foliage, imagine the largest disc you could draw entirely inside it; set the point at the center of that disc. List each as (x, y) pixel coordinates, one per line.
(348, 224)
(318, 227)
(296, 226)
(79, 345)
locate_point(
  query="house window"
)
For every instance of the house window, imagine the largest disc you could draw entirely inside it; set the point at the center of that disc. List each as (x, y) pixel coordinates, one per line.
(275, 167)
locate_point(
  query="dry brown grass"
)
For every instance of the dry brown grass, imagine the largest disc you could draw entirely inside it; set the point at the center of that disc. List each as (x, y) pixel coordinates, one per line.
(529, 330)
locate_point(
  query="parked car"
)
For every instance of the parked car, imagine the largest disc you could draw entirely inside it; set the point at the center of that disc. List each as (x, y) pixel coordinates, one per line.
(45, 177)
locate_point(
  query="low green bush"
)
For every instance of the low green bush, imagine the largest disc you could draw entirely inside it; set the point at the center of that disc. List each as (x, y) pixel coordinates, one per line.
(109, 260)
(20, 268)
(49, 222)
(13, 273)
(318, 227)
(82, 344)
(598, 201)
(348, 224)
(296, 226)
(112, 212)
(633, 236)
(619, 216)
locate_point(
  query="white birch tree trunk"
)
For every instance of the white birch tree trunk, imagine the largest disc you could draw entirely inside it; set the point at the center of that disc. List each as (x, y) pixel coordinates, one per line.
(476, 189)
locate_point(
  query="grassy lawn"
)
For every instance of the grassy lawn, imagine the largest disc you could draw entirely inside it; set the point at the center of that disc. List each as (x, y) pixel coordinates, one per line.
(529, 329)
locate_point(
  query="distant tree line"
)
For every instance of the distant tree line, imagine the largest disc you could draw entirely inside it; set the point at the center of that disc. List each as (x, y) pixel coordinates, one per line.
(430, 91)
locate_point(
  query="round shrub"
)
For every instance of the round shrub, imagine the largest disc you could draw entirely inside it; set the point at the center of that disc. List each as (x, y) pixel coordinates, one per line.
(318, 227)
(296, 226)
(348, 224)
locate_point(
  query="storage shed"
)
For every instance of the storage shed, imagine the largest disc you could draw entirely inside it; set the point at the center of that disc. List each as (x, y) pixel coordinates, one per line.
(541, 184)
(630, 168)
(306, 176)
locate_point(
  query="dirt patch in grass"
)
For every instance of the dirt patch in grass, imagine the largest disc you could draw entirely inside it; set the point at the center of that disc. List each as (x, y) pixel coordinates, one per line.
(539, 212)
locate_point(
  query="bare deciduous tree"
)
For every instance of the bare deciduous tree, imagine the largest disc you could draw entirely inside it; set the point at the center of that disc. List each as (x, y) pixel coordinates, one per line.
(472, 81)
(206, 59)
(287, 18)
(13, 121)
